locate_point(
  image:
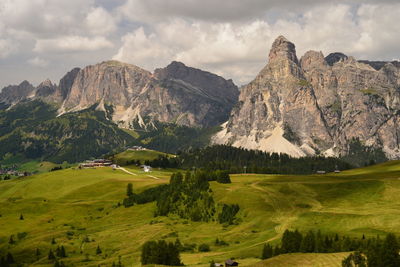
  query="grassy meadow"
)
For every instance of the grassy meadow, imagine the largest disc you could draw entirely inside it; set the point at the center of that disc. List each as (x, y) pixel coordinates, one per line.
(79, 209)
(124, 157)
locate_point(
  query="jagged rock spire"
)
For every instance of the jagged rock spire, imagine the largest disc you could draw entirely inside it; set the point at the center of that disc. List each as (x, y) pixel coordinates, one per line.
(282, 48)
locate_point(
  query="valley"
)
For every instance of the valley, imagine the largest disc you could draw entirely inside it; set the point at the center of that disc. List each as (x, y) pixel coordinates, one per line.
(80, 210)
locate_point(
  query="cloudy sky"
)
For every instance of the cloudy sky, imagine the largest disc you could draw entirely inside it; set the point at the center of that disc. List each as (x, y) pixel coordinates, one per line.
(42, 39)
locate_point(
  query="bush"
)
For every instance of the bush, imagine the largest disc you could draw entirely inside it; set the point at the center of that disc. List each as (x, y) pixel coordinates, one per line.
(204, 248)
(228, 213)
(160, 252)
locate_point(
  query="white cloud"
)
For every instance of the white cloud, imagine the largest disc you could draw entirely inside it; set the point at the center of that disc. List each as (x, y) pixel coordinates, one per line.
(380, 32)
(222, 10)
(143, 49)
(72, 44)
(229, 37)
(99, 21)
(239, 50)
(7, 48)
(44, 18)
(38, 62)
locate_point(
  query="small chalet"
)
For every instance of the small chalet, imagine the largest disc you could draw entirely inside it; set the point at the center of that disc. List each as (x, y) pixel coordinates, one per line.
(136, 148)
(146, 168)
(229, 263)
(96, 163)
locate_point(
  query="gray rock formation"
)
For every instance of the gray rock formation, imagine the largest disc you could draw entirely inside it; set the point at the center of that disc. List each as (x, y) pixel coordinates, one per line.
(13, 94)
(316, 106)
(175, 94)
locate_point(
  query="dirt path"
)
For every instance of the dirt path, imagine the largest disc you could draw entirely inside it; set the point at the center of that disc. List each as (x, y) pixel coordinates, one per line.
(153, 177)
(125, 170)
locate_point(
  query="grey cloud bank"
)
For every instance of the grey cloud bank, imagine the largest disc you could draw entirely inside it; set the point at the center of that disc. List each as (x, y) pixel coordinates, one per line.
(42, 39)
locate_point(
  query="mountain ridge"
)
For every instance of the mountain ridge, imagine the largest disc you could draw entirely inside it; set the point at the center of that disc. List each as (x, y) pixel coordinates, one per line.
(321, 104)
(176, 93)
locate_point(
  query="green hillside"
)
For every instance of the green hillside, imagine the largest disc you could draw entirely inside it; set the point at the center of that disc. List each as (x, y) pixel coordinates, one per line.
(79, 209)
(32, 130)
(129, 156)
(304, 260)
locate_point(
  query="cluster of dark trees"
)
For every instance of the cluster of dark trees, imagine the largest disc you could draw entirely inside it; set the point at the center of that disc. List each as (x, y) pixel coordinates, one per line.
(228, 213)
(239, 160)
(170, 137)
(7, 260)
(375, 251)
(146, 196)
(189, 197)
(163, 162)
(56, 168)
(160, 252)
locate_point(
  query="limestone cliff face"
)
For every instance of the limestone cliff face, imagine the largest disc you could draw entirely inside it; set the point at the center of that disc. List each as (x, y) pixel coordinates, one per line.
(137, 98)
(316, 105)
(13, 94)
(176, 94)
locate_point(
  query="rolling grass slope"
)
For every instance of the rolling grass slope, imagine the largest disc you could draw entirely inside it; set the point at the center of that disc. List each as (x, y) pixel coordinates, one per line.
(75, 205)
(304, 260)
(123, 158)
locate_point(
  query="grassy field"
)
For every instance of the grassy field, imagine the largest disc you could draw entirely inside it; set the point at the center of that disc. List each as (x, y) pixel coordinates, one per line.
(141, 155)
(75, 205)
(304, 260)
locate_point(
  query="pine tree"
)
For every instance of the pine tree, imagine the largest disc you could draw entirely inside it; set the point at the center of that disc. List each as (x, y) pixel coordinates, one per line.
(10, 258)
(212, 263)
(119, 261)
(267, 252)
(308, 242)
(98, 250)
(129, 190)
(319, 243)
(390, 251)
(37, 253)
(11, 240)
(21, 217)
(178, 244)
(51, 255)
(3, 262)
(53, 241)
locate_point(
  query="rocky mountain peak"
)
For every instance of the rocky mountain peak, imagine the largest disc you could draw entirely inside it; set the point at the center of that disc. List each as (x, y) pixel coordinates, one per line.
(312, 59)
(282, 49)
(322, 105)
(332, 58)
(13, 94)
(206, 83)
(45, 83)
(45, 89)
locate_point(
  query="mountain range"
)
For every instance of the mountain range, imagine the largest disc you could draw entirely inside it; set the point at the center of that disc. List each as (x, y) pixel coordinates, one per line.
(317, 105)
(313, 106)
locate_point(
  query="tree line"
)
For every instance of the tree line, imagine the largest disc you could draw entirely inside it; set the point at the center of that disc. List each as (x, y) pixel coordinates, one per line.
(240, 160)
(376, 252)
(160, 252)
(189, 196)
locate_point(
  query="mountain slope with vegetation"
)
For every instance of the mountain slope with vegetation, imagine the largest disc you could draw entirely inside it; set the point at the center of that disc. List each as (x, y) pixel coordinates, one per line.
(79, 209)
(33, 130)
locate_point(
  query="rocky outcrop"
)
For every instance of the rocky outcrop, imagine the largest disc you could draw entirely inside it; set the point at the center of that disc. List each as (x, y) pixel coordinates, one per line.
(45, 89)
(13, 94)
(316, 105)
(135, 97)
(175, 94)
